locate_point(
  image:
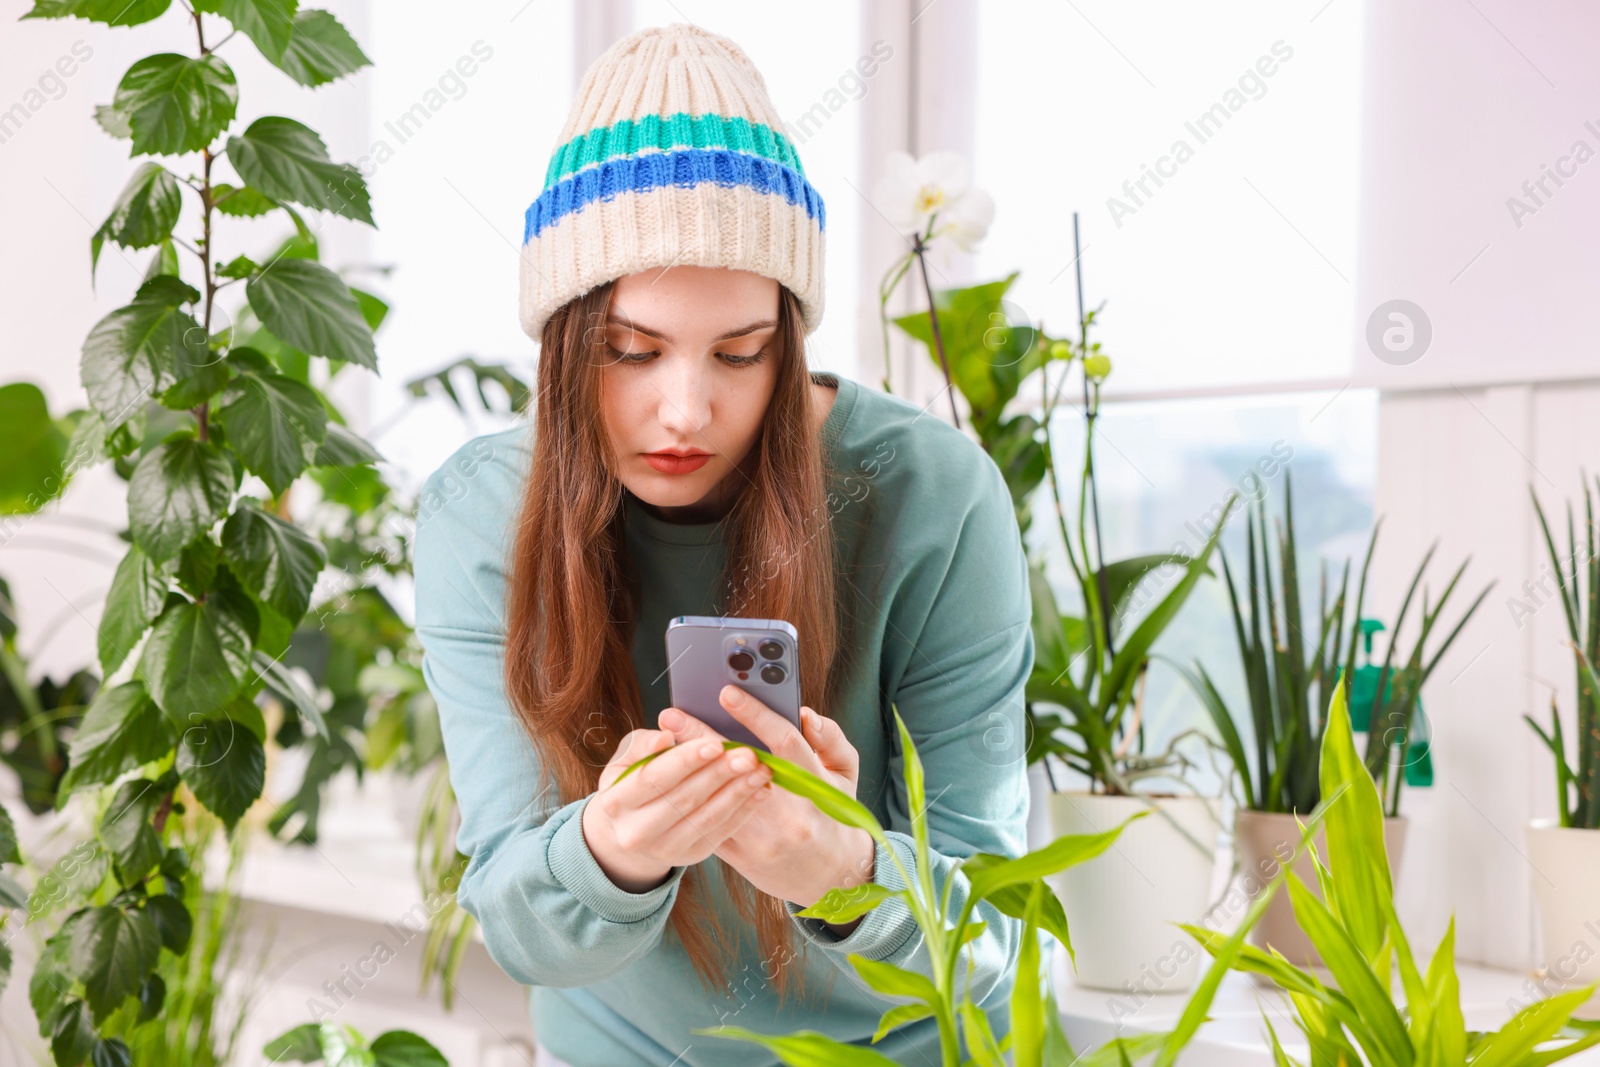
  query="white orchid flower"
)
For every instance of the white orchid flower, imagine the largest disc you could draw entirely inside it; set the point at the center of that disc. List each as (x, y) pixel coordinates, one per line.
(935, 187)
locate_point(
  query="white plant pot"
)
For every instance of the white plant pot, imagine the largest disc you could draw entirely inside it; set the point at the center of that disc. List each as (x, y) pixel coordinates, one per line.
(1567, 863)
(1122, 904)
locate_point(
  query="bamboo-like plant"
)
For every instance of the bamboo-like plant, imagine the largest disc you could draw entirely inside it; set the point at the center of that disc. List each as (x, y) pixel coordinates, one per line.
(1289, 677)
(1017, 887)
(1358, 1018)
(1577, 790)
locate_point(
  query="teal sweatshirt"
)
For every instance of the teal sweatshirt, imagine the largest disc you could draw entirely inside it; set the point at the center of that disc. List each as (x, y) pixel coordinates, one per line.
(935, 573)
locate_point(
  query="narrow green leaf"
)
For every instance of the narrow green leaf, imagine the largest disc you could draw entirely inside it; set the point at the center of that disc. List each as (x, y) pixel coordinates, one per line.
(845, 905)
(900, 1015)
(1355, 834)
(805, 1048)
(894, 981)
(1027, 993)
(988, 873)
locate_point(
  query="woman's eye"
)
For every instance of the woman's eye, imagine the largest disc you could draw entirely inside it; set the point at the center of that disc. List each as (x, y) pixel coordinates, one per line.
(742, 361)
(628, 357)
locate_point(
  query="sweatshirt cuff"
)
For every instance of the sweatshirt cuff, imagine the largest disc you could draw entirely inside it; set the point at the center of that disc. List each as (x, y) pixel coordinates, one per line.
(576, 869)
(885, 929)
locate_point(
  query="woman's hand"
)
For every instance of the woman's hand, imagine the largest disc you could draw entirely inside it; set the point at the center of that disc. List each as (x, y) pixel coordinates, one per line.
(672, 812)
(788, 848)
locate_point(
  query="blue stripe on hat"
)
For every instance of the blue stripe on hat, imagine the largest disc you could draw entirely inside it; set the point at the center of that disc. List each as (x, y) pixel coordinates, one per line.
(685, 168)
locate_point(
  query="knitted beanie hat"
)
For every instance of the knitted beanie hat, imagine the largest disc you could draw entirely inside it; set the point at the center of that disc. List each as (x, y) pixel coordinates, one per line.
(673, 153)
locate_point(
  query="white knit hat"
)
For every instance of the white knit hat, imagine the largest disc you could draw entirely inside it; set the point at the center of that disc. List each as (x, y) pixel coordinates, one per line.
(673, 153)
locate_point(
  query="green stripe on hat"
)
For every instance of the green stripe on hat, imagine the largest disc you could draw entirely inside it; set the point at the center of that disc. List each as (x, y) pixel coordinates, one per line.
(628, 136)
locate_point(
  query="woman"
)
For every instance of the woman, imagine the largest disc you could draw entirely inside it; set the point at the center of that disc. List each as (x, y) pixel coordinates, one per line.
(682, 461)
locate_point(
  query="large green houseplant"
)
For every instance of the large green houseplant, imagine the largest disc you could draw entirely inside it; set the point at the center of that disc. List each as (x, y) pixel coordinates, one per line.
(1085, 693)
(1291, 666)
(1359, 1016)
(214, 418)
(1566, 848)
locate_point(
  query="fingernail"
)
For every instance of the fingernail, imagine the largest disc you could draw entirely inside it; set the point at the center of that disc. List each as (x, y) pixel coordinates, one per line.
(743, 761)
(755, 779)
(671, 718)
(733, 695)
(709, 749)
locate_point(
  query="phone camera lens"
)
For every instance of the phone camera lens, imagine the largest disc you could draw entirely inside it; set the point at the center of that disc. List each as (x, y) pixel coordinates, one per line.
(772, 674)
(771, 649)
(741, 660)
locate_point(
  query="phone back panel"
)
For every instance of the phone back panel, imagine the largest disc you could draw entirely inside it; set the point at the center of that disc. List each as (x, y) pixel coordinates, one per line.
(699, 649)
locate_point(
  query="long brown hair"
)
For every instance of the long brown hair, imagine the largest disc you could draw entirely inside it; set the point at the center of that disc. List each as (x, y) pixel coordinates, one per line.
(574, 599)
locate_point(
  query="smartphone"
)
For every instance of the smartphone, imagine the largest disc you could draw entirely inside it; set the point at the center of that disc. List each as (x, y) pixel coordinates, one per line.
(760, 656)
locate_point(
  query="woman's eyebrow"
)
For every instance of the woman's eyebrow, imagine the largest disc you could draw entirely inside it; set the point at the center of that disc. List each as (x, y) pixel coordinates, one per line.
(764, 324)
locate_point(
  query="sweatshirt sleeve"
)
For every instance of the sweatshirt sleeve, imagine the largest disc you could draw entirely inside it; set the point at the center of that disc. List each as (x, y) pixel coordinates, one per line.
(550, 915)
(966, 617)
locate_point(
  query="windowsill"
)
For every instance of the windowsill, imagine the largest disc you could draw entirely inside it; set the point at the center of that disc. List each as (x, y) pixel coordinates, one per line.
(1235, 1036)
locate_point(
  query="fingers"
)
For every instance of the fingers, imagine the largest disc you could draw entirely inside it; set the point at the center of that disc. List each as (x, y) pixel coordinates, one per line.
(832, 747)
(634, 746)
(683, 726)
(776, 732)
(722, 812)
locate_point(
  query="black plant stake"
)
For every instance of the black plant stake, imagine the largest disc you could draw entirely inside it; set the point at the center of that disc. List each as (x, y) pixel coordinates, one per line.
(933, 320)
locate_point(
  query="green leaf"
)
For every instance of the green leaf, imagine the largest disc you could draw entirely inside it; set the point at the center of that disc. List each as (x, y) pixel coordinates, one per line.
(980, 1038)
(1383, 1033)
(240, 201)
(152, 995)
(35, 452)
(1363, 889)
(268, 23)
(899, 1016)
(373, 309)
(300, 1045)
(176, 103)
(1513, 1044)
(274, 423)
(280, 682)
(1027, 993)
(225, 765)
(894, 981)
(122, 729)
(197, 383)
(173, 922)
(1013, 899)
(195, 659)
(112, 121)
(238, 267)
(144, 213)
(402, 1048)
(276, 559)
(830, 800)
(805, 1048)
(308, 306)
(989, 872)
(286, 160)
(127, 833)
(110, 12)
(72, 1034)
(73, 877)
(8, 839)
(845, 905)
(138, 590)
(320, 50)
(177, 492)
(111, 952)
(165, 261)
(113, 1051)
(134, 352)
(345, 448)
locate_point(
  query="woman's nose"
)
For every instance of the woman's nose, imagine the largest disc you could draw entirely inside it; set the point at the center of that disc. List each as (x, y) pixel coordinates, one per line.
(685, 406)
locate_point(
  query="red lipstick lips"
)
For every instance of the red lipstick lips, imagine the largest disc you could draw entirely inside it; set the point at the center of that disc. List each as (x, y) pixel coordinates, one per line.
(674, 461)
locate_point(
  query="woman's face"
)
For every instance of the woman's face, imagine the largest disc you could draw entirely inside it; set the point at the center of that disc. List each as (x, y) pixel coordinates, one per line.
(690, 371)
